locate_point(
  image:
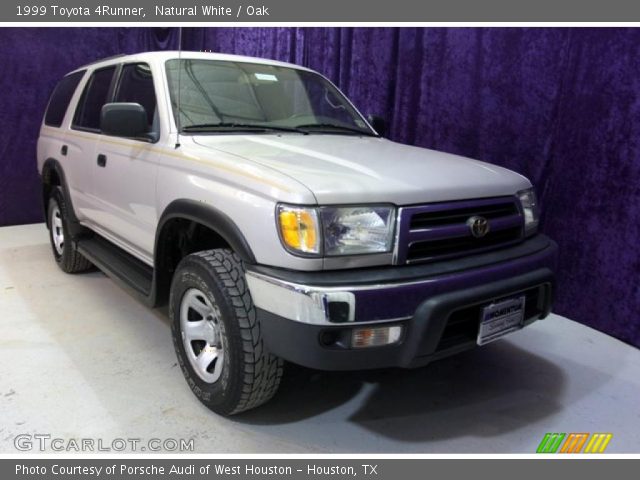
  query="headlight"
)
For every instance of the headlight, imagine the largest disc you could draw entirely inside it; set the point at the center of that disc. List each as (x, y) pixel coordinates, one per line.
(530, 210)
(345, 230)
(356, 230)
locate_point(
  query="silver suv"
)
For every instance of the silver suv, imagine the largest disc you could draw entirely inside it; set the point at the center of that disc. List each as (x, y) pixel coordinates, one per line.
(279, 224)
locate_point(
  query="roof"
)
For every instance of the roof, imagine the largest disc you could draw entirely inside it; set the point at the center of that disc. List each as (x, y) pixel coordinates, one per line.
(172, 54)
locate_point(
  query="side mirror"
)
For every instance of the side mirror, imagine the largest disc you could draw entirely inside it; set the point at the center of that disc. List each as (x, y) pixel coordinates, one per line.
(124, 120)
(378, 123)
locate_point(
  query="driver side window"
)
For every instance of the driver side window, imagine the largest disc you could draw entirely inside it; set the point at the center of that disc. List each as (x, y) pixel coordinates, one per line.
(135, 85)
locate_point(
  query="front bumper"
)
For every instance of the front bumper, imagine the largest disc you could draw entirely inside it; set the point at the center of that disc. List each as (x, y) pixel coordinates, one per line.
(308, 317)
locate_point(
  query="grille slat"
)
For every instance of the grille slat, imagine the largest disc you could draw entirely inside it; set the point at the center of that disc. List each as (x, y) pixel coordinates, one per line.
(451, 246)
(432, 219)
(440, 231)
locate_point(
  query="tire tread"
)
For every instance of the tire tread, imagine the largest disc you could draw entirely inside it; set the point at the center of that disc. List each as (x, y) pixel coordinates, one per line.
(261, 371)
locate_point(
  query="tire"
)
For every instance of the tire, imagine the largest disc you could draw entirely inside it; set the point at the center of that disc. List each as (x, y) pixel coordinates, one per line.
(216, 334)
(64, 250)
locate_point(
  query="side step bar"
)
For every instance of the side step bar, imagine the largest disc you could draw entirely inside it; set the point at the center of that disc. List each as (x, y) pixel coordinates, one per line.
(118, 264)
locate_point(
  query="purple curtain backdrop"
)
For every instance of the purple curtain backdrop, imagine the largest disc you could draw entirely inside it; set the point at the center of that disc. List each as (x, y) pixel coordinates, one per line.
(559, 105)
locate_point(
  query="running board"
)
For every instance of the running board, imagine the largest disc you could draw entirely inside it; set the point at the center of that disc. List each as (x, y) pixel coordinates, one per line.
(118, 264)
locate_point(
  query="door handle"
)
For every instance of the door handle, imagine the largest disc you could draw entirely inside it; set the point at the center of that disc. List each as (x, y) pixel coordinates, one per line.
(63, 150)
(102, 160)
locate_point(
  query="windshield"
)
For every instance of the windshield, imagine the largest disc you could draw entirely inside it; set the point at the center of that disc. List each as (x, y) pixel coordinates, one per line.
(222, 96)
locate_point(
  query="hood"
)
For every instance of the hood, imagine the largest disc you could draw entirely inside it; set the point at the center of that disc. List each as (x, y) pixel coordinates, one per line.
(349, 169)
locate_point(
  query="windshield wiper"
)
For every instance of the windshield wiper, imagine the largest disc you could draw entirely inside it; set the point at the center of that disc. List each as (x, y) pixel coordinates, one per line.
(332, 127)
(249, 127)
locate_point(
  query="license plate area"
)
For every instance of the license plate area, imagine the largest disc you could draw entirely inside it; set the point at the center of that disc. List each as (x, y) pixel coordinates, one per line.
(500, 318)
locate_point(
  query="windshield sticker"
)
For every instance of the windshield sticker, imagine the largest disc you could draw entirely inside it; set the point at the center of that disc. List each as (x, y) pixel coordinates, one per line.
(266, 77)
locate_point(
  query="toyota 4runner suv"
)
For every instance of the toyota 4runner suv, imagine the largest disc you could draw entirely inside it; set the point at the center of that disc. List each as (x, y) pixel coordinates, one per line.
(278, 224)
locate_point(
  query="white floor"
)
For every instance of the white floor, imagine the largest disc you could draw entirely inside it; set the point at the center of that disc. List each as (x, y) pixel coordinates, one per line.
(80, 357)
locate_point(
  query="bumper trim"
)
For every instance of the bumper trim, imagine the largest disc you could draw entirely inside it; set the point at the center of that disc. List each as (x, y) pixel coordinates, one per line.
(309, 304)
(423, 334)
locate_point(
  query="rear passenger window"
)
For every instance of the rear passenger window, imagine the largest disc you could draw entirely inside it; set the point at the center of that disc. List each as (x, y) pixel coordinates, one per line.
(60, 99)
(136, 86)
(95, 95)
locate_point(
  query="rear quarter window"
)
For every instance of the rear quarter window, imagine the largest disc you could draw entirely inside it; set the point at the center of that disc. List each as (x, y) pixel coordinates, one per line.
(60, 98)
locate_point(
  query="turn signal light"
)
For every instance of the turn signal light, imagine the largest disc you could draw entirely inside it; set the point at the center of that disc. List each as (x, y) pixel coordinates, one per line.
(375, 337)
(298, 228)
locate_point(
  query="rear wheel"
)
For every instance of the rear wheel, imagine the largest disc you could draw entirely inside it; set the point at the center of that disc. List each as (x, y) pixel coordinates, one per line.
(64, 249)
(217, 336)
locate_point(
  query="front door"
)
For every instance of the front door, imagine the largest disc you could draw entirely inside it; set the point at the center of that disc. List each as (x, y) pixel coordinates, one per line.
(124, 180)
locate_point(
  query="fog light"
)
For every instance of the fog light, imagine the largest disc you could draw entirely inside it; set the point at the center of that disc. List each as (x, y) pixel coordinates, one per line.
(375, 337)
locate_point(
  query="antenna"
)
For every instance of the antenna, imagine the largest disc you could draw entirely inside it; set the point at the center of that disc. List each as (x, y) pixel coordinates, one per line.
(178, 121)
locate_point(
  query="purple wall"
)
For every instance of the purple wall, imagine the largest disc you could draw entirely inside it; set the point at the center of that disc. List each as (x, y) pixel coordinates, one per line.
(561, 106)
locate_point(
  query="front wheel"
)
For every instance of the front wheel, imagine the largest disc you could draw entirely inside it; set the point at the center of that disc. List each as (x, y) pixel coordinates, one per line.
(216, 334)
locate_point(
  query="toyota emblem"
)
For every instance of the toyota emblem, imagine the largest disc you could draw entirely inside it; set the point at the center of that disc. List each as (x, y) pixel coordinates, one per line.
(479, 226)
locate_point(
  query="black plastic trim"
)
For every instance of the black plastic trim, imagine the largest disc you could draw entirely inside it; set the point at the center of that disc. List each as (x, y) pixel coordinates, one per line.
(210, 217)
(118, 264)
(430, 318)
(53, 164)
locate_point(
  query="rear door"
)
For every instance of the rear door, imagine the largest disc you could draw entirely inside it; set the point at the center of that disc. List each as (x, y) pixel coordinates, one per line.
(125, 169)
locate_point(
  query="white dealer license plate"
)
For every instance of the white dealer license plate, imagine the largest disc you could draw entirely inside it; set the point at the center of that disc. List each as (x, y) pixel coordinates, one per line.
(501, 318)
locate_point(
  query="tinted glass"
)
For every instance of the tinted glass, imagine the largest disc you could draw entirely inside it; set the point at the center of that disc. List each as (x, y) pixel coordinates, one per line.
(93, 98)
(60, 99)
(136, 86)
